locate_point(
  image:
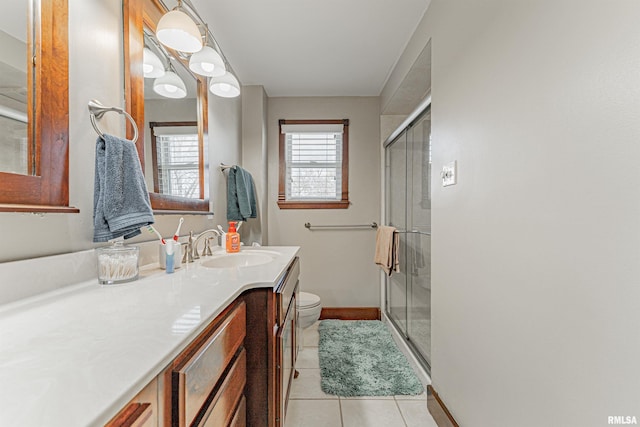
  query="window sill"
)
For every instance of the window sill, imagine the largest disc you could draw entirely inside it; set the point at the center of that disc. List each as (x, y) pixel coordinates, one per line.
(37, 208)
(292, 204)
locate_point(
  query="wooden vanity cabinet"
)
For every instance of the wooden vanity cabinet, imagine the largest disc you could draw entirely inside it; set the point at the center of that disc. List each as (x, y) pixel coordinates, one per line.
(238, 372)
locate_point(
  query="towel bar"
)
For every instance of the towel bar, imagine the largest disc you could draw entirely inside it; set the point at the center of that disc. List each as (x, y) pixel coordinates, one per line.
(97, 110)
(372, 225)
(424, 233)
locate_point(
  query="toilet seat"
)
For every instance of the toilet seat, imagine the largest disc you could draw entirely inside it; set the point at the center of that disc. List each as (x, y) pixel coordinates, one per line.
(307, 300)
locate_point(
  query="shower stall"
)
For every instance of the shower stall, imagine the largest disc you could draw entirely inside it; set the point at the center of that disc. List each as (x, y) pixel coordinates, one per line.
(408, 209)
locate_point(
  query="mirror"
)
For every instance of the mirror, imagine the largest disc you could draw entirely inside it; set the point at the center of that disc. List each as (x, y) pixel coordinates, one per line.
(172, 156)
(34, 107)
(14, 100)
(173, 129)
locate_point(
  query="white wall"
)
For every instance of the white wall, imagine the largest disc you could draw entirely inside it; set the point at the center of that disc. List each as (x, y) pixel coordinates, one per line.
(536, 272)
(336, 265)
(225, 136)
(254, 159)
(96, 71)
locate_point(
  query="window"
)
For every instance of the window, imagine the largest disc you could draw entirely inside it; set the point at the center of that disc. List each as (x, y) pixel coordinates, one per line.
(314, 164)
(176, 159)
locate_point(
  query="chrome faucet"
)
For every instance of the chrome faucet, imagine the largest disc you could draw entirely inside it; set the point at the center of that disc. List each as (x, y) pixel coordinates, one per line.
(192, 245)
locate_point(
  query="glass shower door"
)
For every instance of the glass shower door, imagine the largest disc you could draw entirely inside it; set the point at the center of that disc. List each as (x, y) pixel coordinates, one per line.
(396, 213)
(418, 250)
(408, 208)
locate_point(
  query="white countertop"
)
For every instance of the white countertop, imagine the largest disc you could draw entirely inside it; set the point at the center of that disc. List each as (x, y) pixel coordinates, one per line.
(76, 356)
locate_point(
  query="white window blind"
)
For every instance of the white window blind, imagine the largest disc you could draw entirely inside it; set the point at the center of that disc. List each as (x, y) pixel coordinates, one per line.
(313, 162)
(178, 161)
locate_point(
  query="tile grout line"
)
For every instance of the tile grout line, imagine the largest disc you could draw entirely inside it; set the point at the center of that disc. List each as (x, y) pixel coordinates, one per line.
(340, 407)
(400, 410)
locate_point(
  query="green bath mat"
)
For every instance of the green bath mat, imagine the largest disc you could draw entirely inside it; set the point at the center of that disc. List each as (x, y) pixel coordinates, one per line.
(360, 358)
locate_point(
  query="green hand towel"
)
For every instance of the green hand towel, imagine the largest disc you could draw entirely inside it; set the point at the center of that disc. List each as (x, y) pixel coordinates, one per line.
(241, 198)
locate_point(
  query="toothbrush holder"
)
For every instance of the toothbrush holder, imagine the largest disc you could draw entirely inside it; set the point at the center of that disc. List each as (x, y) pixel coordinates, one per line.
(177, 257)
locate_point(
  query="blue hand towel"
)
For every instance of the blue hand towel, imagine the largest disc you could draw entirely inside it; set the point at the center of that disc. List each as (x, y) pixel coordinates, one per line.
(120, 200)
(241, 197)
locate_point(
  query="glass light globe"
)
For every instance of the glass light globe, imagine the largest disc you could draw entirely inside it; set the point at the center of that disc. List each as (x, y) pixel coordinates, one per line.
(170, 86)
(177, 31)
(226, 86)
(207, 62)
(151, 65)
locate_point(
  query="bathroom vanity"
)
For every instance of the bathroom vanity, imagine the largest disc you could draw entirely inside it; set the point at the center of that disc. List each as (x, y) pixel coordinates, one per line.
(203, 346)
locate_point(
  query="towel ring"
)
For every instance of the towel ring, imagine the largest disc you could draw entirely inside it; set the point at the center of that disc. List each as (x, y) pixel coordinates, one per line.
(97, 110)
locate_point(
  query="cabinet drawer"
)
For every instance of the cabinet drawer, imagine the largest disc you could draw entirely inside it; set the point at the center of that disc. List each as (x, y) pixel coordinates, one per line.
(240, 417)
(142, 411)
(221, 409)
(196, 377)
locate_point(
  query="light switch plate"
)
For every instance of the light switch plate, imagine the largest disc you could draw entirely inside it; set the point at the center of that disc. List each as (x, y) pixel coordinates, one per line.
(449, 174)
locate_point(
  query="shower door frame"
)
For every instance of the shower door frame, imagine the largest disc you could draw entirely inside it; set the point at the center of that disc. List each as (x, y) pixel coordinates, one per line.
(415, 117)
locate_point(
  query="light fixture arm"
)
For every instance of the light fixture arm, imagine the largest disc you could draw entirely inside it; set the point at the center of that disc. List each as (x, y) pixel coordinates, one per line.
(166, 56)
(187, 7)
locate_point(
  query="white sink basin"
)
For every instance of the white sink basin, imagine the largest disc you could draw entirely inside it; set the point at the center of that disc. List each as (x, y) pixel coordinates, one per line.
(240, 259)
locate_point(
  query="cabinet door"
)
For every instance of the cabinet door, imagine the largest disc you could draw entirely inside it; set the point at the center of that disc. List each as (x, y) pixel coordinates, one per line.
(286, 340)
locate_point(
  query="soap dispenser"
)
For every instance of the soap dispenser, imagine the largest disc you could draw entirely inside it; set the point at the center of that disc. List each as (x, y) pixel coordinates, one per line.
(233, 239)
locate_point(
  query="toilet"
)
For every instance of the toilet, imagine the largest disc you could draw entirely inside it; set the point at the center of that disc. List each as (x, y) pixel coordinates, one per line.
(309, 309)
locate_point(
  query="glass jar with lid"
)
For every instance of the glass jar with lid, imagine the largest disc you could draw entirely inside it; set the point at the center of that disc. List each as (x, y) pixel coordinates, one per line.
(117, 263)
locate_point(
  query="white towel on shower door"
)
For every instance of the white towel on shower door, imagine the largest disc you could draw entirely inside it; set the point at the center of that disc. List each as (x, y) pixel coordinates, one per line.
(387, 243)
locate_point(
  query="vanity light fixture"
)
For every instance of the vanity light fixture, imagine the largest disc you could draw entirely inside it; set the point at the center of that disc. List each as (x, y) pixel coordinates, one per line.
(178, 31)
(207, 62)
(226, 86)
(170, 86)
(151, 64)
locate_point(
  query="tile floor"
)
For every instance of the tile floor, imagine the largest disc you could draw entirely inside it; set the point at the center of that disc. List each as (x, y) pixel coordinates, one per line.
(309, 406)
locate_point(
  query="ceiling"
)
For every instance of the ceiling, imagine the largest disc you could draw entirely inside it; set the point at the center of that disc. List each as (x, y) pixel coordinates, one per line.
(313, 48)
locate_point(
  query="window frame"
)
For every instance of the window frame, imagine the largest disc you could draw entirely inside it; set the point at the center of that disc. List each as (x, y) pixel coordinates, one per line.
(154, 157)
(344, 202)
